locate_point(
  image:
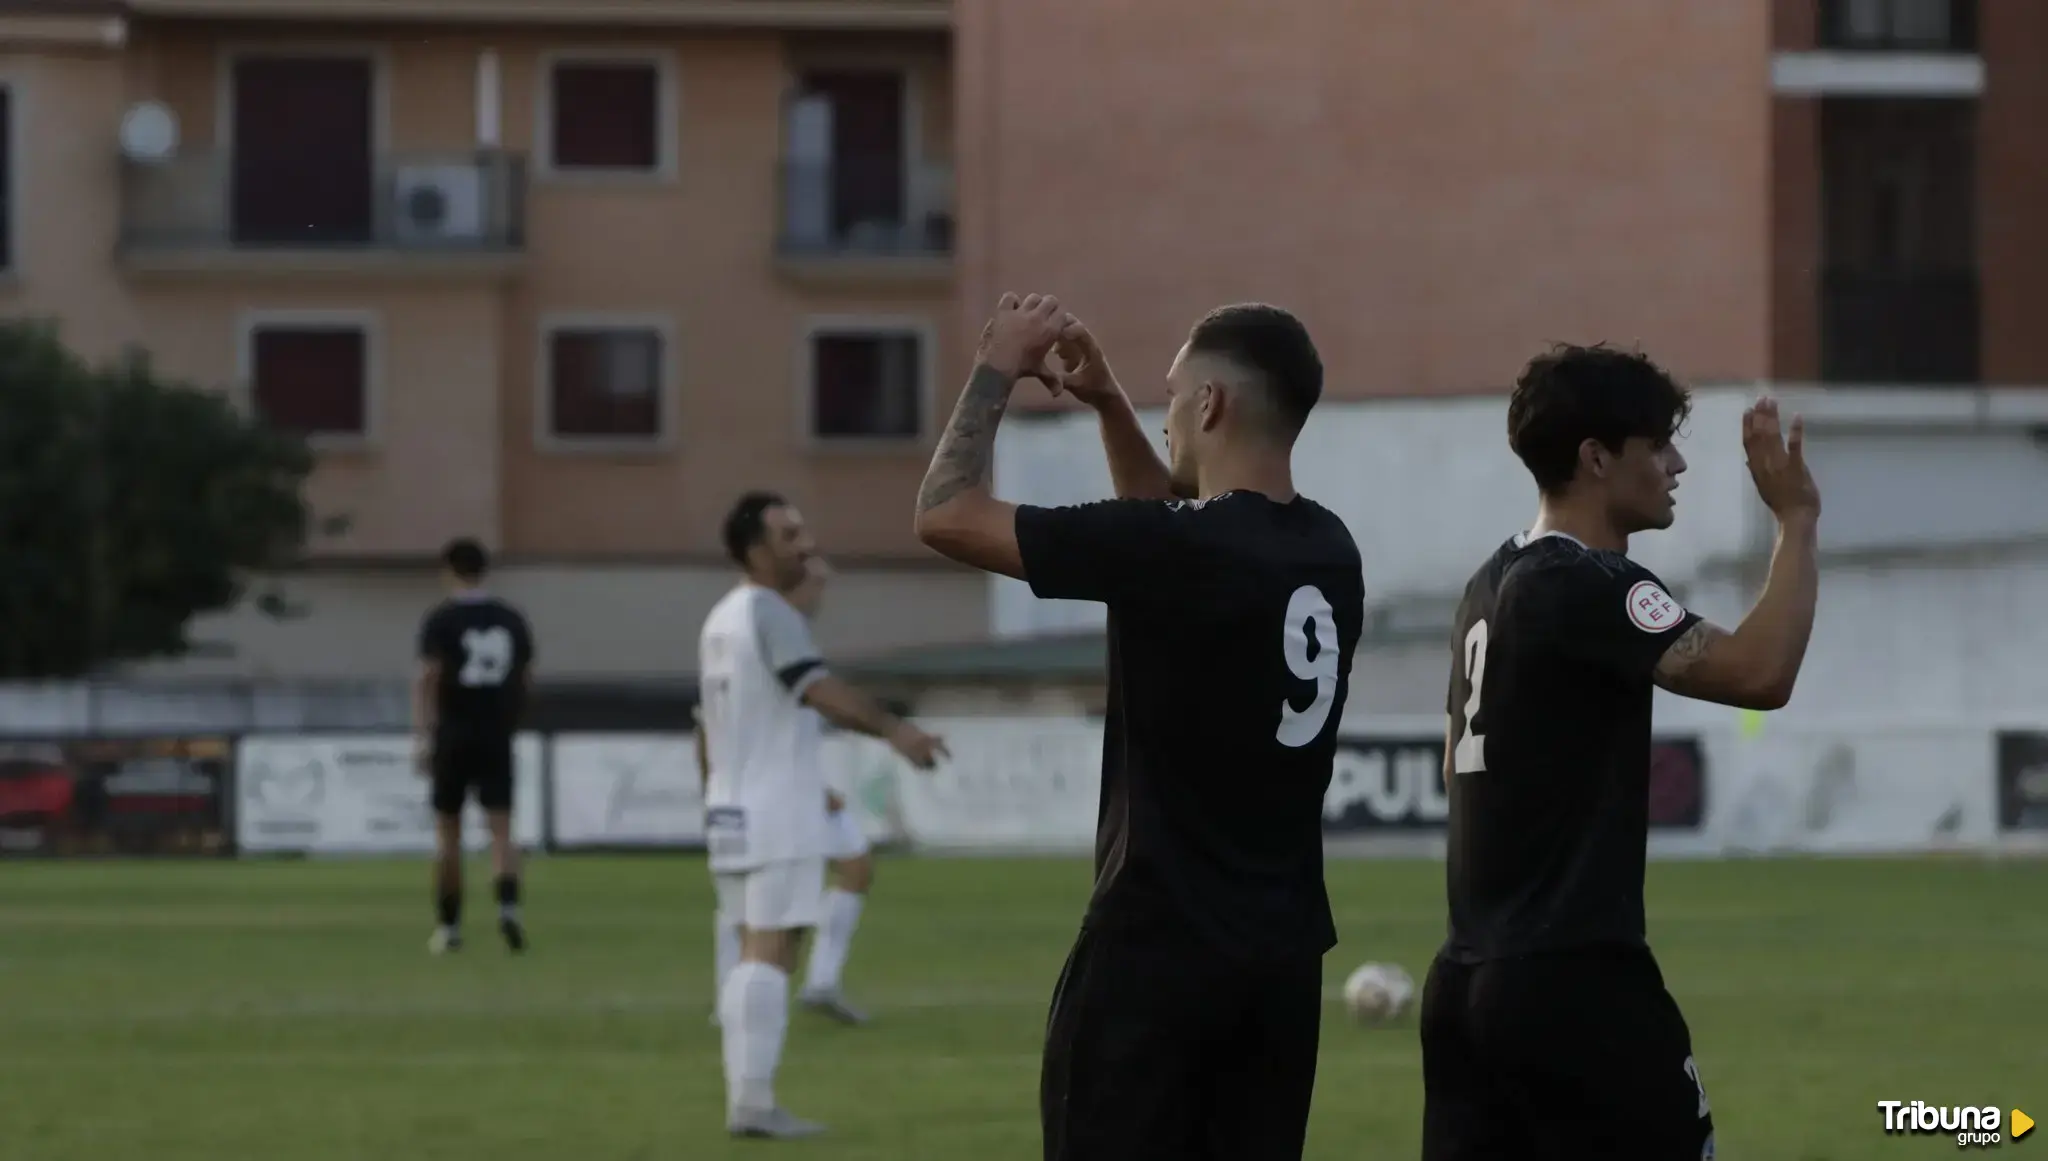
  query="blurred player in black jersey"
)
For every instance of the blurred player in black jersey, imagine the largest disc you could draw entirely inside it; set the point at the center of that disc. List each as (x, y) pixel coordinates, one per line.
(1546, 1027)
(1186, 1022)
(475, 657)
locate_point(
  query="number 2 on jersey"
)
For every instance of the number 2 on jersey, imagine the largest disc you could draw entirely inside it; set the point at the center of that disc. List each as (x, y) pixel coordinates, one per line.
(1469, 757)
(1308, 606)
(486, 657)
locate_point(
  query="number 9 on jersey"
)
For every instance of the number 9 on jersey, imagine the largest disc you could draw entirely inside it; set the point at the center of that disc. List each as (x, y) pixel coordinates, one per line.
(1308, 607)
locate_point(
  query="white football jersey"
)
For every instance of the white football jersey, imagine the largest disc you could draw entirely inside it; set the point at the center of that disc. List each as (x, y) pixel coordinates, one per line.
(764, 800)
(814, 722)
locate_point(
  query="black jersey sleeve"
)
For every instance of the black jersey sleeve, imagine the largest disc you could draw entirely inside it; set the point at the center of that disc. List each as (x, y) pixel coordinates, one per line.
(523, 642)
(1617, 616)
(433, 639)
(1105, 551)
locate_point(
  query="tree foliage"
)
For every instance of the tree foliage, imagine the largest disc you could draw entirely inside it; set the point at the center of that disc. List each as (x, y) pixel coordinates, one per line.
(128, 505)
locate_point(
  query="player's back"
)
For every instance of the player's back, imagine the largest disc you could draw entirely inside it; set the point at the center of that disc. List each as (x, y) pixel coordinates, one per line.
(486, 647)
(1227, 684)
(754, 656)
(1549, 706)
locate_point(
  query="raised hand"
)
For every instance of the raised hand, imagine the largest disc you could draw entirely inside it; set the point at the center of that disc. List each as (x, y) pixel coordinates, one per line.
(1777, 462)
(1020, 335)
(1082, 370)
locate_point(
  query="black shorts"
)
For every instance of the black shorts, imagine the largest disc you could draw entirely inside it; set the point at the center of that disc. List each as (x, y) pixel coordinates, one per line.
(1579, 1054)
(1160, 1048)
(483, 766)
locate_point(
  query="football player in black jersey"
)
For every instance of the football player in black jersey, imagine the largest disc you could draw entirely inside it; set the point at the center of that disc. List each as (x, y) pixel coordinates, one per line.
(1185, 1024)
(1546, 1027)
(476, 654)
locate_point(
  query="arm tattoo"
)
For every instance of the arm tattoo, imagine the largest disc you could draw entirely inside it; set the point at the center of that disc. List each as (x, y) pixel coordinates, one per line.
(1686, 652)
(967, 449)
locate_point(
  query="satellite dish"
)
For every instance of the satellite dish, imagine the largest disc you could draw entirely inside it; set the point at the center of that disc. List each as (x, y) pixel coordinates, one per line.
(149, 132)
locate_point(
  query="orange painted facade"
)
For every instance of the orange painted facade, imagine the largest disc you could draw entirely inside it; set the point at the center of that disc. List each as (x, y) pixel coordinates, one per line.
(1437, 189)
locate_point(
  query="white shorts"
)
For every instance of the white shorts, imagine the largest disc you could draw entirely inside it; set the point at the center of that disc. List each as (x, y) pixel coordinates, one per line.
(778, 896)
(848, 840)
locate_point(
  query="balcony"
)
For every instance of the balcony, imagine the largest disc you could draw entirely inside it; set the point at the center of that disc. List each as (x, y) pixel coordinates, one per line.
(1899, 26)
(870, 216)
(635, 15)
(435, 213)
(1899, 328)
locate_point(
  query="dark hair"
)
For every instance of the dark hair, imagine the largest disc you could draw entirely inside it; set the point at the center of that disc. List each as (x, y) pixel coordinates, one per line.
(1570, 394)
(1271, 342)
(466, 558)
(747, 523)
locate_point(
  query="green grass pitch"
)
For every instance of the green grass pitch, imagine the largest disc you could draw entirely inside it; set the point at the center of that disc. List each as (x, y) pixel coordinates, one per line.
(219, 1011)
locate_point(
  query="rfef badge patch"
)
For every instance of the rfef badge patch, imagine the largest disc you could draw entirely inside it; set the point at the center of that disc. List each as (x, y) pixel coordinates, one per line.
(1652, 610)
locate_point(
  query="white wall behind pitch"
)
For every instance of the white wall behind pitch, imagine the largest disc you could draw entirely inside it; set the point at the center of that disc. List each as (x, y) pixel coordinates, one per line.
(1934, 538)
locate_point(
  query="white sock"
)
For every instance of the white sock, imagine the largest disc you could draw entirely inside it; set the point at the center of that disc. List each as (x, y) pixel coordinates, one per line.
(832, 941)
(753, 1012)
(726, 938)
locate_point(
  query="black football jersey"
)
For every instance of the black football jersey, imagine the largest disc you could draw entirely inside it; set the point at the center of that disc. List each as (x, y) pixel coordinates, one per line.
(1232, 624)
(484, 647)
(1549, 761)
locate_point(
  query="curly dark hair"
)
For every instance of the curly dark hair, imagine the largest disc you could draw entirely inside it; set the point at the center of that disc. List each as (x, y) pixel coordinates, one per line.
(1570, 394)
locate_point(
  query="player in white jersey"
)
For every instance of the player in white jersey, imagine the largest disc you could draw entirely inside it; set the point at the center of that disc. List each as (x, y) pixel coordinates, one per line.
(853, 872)
(766, 836)
(847, 853)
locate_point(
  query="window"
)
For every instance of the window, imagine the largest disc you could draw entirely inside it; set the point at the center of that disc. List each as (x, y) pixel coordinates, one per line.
(1900, 25)
(311, 377)
(846, 178)
(302, 167)
(867, 384)
(1898, 183)
(1899, 293)
(607, 116)
(605, 382)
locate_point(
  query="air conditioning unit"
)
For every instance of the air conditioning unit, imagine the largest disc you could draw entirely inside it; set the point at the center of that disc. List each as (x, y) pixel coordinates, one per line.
(438, 203)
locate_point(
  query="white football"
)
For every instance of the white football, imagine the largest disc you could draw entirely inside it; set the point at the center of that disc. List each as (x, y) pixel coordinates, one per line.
(1378, 993)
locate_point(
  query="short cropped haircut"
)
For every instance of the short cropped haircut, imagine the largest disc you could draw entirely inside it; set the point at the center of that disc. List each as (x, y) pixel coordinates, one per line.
(466, 559)
(1570, 394)
(1271, 342)
(748, 522)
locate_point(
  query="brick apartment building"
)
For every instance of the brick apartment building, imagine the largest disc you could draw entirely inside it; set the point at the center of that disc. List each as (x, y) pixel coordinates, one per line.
(567, 274)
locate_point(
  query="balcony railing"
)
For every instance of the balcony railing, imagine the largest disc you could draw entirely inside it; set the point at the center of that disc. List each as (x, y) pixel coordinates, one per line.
(1898, 328)
(1899, 25)
(432, 203)
(866, 207)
